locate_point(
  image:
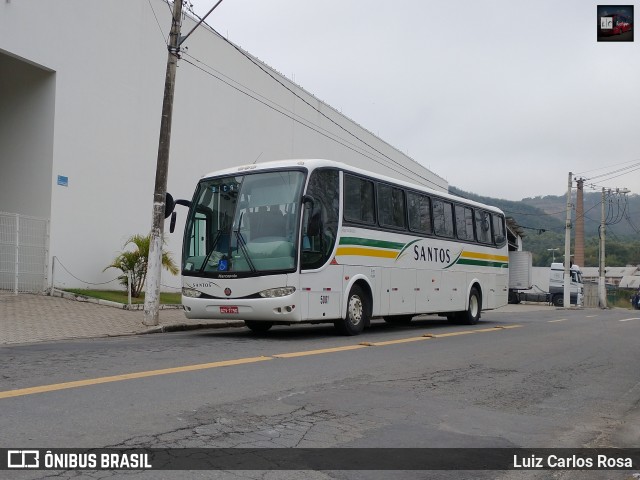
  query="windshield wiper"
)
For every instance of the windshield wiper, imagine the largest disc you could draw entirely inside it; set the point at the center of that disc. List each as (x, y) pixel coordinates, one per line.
(243, 245)
(213, 246)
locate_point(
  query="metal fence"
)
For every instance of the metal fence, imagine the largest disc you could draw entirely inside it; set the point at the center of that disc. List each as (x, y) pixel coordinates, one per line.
(590, 299)
(24, 245)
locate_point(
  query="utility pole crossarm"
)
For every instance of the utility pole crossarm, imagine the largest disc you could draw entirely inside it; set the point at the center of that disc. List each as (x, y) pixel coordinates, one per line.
(182, 39)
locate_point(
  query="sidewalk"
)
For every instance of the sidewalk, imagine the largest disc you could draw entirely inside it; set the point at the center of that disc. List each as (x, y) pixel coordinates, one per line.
(26, 318)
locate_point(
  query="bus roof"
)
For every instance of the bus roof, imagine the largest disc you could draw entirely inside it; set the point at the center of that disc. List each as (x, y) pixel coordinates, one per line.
(313, 163)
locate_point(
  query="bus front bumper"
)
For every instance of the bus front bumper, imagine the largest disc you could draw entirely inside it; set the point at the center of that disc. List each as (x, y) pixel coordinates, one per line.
(281, 309)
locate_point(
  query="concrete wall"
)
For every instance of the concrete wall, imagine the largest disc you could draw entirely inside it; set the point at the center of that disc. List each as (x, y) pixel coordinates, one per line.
(109, 59)
(26, 137)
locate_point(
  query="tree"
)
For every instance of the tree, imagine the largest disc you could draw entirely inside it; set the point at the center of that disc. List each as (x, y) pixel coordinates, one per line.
(135, 261)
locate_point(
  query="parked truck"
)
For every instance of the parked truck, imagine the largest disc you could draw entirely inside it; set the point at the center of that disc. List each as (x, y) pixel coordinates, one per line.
(519, 275)
(556, 284)
(521, 284)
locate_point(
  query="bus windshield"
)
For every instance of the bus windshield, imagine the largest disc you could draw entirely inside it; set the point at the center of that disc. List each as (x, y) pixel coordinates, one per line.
(244, 223)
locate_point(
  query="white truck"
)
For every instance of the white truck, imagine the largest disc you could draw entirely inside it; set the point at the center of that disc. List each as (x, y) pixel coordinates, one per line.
(520, 276)
(521, 284)
(556, 284)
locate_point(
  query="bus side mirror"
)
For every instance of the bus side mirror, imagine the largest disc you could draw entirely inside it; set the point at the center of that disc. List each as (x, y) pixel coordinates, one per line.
(169, 205)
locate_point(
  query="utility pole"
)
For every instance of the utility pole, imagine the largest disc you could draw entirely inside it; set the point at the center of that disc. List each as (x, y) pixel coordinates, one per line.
(579, 238)
(154, 263)
(567, 250)
(602, 291)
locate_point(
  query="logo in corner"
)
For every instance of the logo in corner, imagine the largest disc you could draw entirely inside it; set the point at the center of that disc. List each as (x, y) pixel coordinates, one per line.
(23, 459)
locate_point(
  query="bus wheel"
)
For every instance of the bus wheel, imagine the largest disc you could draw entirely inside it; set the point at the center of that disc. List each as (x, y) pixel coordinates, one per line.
(357, 313)
(398, 319)
(258, 327)
(472, 315)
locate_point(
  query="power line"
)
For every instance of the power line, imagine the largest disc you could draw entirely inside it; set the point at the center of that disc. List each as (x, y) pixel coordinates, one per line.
(245, 89)
(608, 166)
(635, 166)
(343, 143)
(164, 37)
(267, 72)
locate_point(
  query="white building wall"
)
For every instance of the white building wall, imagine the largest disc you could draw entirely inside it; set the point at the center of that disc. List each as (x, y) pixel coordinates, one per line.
(106, 61)
(26, 137)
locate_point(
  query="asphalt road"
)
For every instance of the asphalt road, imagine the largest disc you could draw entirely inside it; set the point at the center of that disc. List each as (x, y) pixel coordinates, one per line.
(558, 378)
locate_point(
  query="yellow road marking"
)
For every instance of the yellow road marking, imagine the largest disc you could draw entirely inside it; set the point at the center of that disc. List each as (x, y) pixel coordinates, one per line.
(452, 334)
(318, 352)
(127, 376)
(226, 363)
(393, 342)
(559, 320)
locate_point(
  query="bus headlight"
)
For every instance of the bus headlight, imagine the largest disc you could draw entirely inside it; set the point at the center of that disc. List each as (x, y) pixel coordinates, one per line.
(277, 292)
(190, 292)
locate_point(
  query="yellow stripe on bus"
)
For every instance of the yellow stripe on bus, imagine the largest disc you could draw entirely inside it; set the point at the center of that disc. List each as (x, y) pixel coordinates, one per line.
(485, 256)
(366, 252)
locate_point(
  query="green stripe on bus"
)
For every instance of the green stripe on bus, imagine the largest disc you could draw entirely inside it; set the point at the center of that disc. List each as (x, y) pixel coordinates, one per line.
(365, 242)
(481, 263)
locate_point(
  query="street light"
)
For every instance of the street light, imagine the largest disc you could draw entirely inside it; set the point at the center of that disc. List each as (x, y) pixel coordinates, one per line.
(554, 250)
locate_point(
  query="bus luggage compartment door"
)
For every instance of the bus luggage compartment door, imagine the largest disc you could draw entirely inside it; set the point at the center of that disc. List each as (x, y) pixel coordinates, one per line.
(402, 291)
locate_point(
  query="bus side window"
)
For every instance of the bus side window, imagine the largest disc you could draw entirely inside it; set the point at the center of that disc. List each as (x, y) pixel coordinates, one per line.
(358, 200)
(464, 222)
(498, 229)
(483, 226)
(321, 223)
(390, 206)
(442, 218)
(419, 213)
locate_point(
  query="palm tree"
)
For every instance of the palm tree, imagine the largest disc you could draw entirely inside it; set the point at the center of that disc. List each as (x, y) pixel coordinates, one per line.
(135, 261)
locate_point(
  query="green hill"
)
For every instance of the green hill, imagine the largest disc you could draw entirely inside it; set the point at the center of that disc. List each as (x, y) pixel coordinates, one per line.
(543, 218)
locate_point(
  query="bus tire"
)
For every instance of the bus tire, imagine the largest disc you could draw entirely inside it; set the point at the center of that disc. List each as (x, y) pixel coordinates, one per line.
(357, 313)
(398, 319)
(472, 314)
(454, 318)
(258, 327)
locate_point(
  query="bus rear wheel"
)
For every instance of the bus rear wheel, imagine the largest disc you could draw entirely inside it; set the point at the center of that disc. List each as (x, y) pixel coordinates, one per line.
(258, 327)
(472, 314)
(357, 313)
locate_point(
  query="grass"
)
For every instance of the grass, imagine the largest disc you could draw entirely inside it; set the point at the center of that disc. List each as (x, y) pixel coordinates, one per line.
(121, 297)
(620, 298)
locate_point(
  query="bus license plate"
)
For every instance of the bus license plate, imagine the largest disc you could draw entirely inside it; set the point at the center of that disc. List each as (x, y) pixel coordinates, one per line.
(228, 309)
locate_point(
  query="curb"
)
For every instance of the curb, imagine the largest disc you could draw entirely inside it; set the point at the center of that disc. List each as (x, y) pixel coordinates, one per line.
(108, 303)
(182, 327)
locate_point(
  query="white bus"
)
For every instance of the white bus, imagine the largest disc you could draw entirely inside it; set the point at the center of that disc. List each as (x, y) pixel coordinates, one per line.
(318, 241)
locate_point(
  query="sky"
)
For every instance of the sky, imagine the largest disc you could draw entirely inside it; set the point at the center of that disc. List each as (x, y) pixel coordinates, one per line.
(502, 98)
